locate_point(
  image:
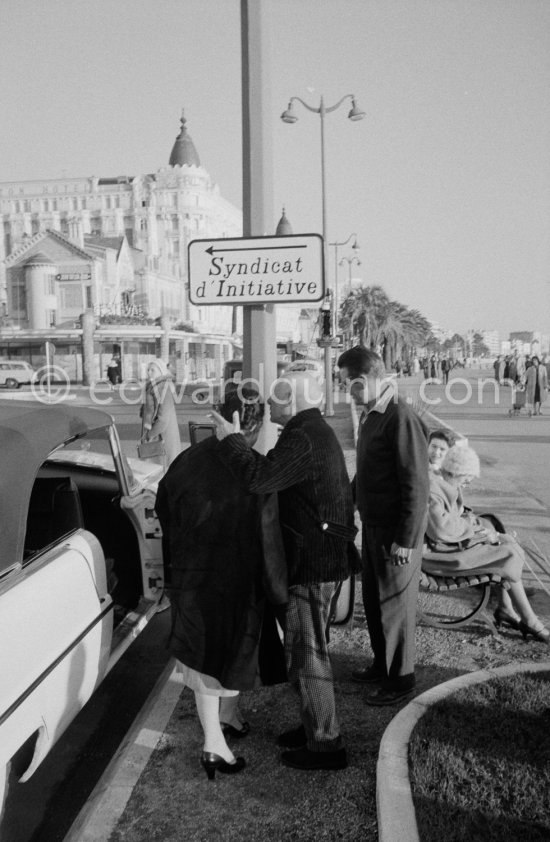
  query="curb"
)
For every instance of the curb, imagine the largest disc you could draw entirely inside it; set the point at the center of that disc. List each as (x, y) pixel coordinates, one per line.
(394, 802)
(100, 814)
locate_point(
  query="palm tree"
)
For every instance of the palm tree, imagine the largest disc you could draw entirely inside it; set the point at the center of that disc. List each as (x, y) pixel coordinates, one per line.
(384, 325)
(362, 313)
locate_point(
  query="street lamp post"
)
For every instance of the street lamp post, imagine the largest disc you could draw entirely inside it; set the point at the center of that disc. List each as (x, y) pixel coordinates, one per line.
(336, 246)
(350, 261)
(289, 116)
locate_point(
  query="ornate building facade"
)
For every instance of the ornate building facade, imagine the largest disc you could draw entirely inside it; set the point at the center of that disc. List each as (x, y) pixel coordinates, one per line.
(128, 235)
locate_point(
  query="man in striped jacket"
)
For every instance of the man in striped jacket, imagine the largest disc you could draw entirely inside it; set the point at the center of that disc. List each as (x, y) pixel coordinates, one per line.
(307, 470)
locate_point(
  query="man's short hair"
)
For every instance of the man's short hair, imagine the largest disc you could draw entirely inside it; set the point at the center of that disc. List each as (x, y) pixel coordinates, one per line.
(359, 360)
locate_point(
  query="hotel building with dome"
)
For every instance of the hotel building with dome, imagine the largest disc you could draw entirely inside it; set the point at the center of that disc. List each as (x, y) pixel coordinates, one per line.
(115, 247)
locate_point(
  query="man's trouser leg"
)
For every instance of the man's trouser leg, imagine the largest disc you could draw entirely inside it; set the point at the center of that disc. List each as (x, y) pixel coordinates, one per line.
(390, 595)
(308, 663)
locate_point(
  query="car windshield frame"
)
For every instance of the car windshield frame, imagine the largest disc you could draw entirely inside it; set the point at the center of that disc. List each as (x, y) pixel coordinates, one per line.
(29, 433)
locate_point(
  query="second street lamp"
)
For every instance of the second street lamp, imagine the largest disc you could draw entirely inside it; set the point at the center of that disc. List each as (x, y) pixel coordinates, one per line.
(289, 116)
(336, 246)
(350, 261)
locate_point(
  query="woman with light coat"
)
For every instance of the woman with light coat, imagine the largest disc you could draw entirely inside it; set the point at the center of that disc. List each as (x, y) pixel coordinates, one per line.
(536, 385)
(158, 412)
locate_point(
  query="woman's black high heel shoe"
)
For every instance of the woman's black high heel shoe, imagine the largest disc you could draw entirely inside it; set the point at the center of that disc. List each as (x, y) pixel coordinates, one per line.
(502, 618)
(210, 762)
(542, 635)
(231, 731)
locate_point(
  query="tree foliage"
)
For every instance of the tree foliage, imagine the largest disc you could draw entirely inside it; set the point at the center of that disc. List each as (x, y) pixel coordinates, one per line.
(389, 327)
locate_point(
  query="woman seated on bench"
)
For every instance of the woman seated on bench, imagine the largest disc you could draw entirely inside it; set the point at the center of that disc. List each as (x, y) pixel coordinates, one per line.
(461, 543)
(439, 443)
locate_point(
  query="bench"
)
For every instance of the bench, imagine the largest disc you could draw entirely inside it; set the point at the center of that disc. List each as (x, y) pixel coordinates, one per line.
(465, 607)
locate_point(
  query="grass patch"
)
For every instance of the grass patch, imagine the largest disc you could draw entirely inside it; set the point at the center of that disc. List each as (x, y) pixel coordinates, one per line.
(480, 763)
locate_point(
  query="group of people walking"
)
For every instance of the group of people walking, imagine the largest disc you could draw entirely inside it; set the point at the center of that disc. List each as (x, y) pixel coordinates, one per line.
(525, 373)
(255, 546)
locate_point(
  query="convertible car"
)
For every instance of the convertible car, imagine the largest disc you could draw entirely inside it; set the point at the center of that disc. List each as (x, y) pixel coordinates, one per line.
(80, 569)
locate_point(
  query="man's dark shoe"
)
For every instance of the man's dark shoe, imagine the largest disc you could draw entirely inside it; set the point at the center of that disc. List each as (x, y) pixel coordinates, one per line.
(308, 760)
(368, 676)
(382, 697)
(295, 738)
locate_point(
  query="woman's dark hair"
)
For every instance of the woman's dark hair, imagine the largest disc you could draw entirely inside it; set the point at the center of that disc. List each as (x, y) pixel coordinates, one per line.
(535, 358)
(445, 435)
(247, 403)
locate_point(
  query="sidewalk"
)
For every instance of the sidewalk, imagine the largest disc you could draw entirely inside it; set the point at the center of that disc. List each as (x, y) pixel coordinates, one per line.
(155, 788)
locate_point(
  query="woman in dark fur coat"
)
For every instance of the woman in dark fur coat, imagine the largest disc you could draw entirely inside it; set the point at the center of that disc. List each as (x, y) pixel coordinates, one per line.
(223, 557)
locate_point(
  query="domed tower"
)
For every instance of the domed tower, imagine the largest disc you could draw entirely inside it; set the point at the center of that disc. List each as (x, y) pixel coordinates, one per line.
(284, 228)
(183, 151)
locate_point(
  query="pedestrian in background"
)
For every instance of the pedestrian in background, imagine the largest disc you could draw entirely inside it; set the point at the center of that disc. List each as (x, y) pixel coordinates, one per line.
(536, 385)
(113, 370)
(391, 494)
(307, 469)
(158, 412)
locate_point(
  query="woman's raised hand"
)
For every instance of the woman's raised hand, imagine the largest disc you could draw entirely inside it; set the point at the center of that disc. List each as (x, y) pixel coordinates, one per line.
(225, 428)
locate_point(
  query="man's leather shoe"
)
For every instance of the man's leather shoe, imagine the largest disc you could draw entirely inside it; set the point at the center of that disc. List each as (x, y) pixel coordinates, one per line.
(308, 760)
(382, 697)
(295, 738)
(368, 676)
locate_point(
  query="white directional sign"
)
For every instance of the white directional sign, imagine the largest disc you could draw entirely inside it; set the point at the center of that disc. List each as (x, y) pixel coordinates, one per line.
(256, 270)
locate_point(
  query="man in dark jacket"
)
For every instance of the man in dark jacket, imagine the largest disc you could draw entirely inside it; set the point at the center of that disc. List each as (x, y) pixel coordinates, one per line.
(307, 469)
(391, 494)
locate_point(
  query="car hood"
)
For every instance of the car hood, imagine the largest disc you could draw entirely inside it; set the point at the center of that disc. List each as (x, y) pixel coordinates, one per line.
(29, 431)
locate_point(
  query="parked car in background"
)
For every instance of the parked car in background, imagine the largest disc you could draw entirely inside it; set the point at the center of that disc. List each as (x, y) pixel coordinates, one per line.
(315, 366)
(14, 372)
(232, 376)
(81, 569)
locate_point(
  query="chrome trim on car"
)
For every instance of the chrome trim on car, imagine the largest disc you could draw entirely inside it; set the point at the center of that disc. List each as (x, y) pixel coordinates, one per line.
(19, 701)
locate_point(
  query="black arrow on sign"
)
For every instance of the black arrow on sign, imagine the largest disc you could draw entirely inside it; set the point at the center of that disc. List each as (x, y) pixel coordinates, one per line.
(211, 250)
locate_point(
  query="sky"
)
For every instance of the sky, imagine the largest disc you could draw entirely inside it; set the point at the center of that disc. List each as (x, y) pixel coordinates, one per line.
(446, 181)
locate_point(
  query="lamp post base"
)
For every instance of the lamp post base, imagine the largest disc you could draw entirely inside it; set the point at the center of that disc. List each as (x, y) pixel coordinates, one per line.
(328, 343)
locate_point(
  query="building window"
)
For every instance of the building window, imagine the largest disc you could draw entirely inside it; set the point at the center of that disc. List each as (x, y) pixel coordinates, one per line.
(49, 284)
(50, 315)
(88, 297)
(70, 296)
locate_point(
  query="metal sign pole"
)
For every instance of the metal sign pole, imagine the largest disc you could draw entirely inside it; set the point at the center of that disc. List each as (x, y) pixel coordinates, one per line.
(259, 326)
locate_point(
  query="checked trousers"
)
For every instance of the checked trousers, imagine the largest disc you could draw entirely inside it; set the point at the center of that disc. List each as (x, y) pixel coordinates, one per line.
(308, 663)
